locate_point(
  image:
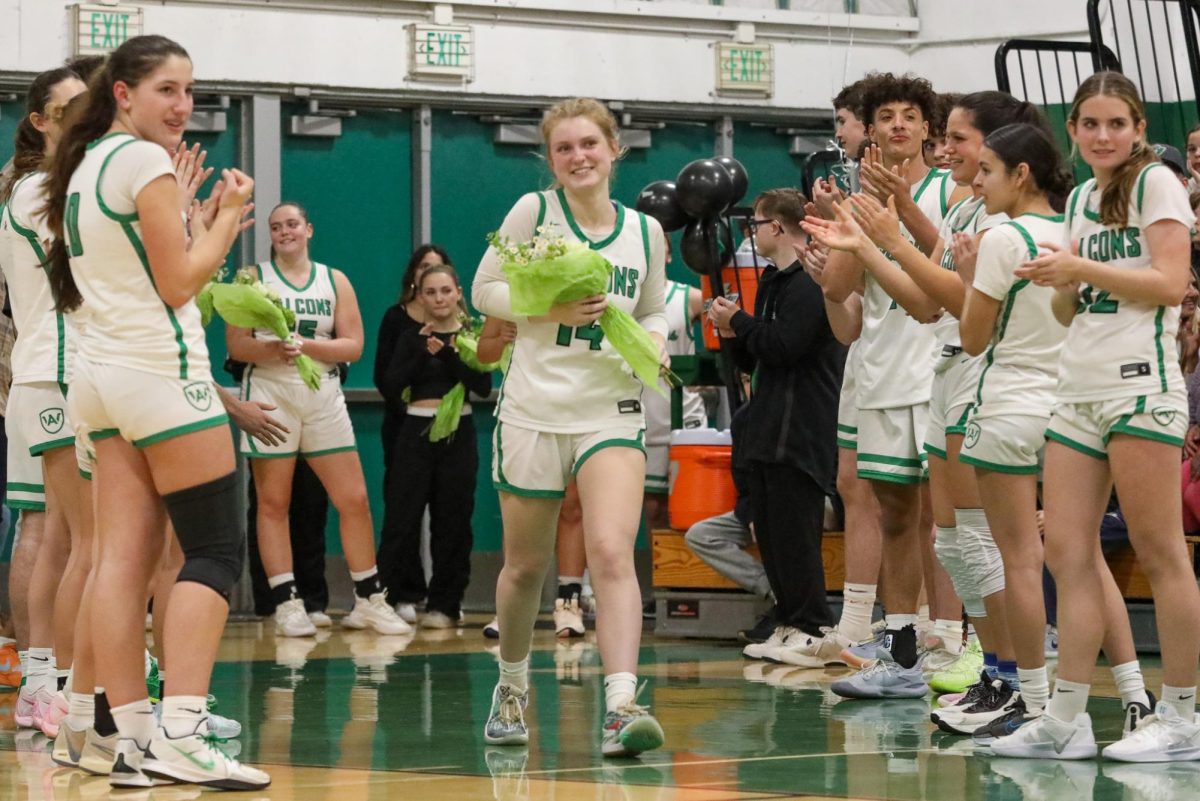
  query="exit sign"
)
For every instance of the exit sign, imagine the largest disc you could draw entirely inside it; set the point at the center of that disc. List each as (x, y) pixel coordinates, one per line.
(745, 69)
(101, 29)
(441, 52)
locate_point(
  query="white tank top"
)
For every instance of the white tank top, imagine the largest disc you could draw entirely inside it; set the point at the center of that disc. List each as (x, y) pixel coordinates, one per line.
(314, 303)
(45, 345)
(680, 342)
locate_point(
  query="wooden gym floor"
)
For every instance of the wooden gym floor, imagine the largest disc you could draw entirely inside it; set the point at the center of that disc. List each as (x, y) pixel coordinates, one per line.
(357, 717)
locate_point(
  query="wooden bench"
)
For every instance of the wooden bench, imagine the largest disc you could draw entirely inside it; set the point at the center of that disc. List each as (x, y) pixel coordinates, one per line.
(677, 567)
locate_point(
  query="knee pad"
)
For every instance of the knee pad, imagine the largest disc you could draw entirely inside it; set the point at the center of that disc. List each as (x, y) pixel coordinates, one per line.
(948, 549)
(209, 528)
(980, 553)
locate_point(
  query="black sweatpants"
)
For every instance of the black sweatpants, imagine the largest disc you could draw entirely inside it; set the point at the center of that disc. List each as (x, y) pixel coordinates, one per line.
(306, 523)
(442, 476)
(789, 514)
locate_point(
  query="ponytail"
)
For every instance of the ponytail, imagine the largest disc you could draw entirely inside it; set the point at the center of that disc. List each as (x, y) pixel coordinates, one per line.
(1023, 143)
(992, 110)
(129, 63)
(29, 144)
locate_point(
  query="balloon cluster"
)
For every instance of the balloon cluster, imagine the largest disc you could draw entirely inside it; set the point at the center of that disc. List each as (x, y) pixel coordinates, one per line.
(696, 201)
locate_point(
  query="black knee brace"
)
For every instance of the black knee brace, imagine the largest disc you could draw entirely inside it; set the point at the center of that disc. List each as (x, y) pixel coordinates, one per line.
(209, 528)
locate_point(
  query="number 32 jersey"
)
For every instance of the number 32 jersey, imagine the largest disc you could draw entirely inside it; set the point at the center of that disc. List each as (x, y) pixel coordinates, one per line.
(1118, 348)
(571, 380)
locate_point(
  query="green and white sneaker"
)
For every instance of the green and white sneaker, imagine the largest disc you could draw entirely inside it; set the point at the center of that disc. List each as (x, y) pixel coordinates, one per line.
(506, 721)
(962, 673)
(153, 679)
(195, 759)
(126, 769)
(629, 731)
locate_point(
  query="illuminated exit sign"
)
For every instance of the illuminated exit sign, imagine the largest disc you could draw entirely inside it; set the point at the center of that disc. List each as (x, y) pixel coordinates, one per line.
(745, 69)
(101, 29)
(441, 52)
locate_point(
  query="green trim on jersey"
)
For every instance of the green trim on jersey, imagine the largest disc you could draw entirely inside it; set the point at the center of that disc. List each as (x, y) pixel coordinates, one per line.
(110, 135)
(40, 254)
(1010, 301)
(1158, 347)
(594, 245)
(645, 238)
(1087, 193)
(1054, 218)
(541, 218)
(929, 176)
(1072, 199)
(1141, 183)
(332, 283)
(136, 242)
(121, 218)
(312, 276)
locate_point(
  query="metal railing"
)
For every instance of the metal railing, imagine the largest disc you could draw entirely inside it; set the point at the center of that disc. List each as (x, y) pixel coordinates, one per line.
(1037, 59)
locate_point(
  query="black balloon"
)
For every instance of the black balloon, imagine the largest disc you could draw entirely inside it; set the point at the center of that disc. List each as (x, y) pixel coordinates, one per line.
(703, 245)
(741, 180)
(661, 201)
(704, 188)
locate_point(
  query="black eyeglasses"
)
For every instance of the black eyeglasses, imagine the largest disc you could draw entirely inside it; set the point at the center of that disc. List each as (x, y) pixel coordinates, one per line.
(754, 224)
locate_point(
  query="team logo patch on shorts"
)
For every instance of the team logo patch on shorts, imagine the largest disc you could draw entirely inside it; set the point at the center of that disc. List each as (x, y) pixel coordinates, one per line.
(972, 434)
(52, 419)
(1163, 416)
(199, 395)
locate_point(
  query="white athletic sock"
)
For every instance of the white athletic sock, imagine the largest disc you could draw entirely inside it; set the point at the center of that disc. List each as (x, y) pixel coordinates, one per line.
(619, 689)
(284, 578)
(359, 575)
(135, 721)
(181, 714)
(82, 711)
(1035, 687)
(515, 674)
(897, 622)
(971, 635)
(24, 657)
(923, 621)
(1130, 683)
(1182, 698)
(41, 670)
(1069, 700)
(858, 602)
(565, 580)
(950, 633)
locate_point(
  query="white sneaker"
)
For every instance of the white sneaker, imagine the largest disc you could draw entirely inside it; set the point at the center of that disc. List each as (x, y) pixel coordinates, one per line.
(568, 617)
(940, 654)
(292, 621)
(807, 651)
(791, 636)
(98, 753)
(195, 759)
(759, 650)
(438, 620)
(407, 612)
(375, 613)
(1049, 738)
(1165, 736)
(320, 619)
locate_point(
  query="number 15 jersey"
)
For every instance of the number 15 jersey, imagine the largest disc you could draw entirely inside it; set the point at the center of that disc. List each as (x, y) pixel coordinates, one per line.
(567, 380)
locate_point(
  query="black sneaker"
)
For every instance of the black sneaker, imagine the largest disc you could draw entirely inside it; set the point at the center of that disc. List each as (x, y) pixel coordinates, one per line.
(1018, 715)
(995, 704)
(761, 631)
(1135, 712)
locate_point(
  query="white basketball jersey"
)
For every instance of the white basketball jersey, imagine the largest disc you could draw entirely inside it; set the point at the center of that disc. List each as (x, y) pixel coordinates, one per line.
(968, 216)
(45, 345)
(680, 342)
(1020, 372)
(314, 303)
(895, 370)
(571, 380)
(1118, 348)
(126, 322)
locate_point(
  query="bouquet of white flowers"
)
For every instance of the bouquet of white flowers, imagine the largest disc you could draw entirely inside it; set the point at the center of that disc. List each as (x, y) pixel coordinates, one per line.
(247, 302)
(549, 269)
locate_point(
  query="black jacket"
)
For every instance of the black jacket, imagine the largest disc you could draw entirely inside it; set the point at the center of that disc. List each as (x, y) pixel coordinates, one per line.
(797, 364)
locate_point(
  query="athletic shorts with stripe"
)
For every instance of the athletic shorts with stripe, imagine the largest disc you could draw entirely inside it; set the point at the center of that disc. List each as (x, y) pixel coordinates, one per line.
(318, 422)
(1087, 427)
(950, 401)
(36, 422)
(891, 444)
(537, 464)
(847, 419)
(107, 400)
(1012, 443)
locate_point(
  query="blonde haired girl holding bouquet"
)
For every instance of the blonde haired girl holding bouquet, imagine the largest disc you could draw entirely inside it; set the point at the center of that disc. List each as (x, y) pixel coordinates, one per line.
(329, 330)
(570, 406)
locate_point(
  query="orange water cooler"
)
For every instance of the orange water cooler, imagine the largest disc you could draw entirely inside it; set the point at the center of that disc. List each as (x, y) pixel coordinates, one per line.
(701, 476)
